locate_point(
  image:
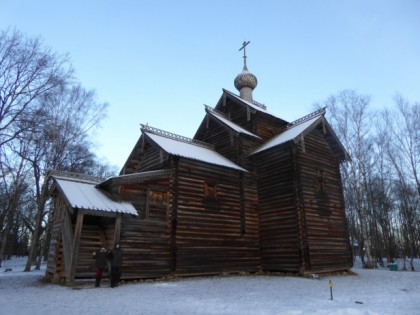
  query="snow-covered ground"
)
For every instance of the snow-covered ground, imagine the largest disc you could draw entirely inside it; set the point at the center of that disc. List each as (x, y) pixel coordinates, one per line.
(368, 292)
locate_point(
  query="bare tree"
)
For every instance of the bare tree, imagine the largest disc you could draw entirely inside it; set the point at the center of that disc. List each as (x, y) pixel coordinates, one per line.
(406, 134)
(352, 120)
(45, 122)
(27, 71)
(57, 139)
(383, 195)
(403, 152)
(14, 175)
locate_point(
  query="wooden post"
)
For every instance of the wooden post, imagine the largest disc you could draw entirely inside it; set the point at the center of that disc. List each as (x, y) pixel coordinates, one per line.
(242, 203)
(76, 242)
(302, 139)
(174, 223)
(300, 213)
(67, 235)
(117, 231)
(148, 196)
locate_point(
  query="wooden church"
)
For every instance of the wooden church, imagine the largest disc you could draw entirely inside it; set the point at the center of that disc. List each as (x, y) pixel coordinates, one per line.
(250, 192)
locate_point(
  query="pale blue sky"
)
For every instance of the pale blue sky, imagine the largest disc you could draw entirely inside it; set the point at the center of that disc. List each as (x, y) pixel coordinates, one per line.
(158, 62)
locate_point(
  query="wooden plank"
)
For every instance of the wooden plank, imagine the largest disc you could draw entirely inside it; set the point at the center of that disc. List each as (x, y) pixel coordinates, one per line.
(68, 240)
(117, 230)
(76, 242)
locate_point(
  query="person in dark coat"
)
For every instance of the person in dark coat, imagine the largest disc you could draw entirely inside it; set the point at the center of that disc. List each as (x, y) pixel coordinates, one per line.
(115, 258)
(100, 257)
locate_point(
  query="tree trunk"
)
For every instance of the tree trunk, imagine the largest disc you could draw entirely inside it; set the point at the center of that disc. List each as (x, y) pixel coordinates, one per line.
(35, 240)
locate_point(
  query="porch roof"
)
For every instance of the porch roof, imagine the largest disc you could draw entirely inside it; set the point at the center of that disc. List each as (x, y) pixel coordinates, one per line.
(92, 200)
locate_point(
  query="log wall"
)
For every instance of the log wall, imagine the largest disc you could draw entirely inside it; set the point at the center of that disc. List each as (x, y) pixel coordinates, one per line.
(210, 236)
(96, 232)
(146, 239)
(56, 262)
(326, 243)
(279, 229)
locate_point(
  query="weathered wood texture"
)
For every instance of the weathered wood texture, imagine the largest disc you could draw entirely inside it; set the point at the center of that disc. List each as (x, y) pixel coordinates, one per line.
(279, 229)
(145, 239)
(96, 232)
(56, 264)
(71, 260)
(232, 221)
(326, 243)
(145, 158)
(146, 248)
(211, 237)
(302, 223)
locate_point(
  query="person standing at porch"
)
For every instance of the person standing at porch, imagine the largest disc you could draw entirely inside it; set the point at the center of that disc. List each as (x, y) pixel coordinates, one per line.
(115, 258)
(100, 257)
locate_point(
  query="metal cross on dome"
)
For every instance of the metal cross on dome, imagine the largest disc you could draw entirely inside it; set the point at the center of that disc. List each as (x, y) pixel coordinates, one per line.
(244, 44)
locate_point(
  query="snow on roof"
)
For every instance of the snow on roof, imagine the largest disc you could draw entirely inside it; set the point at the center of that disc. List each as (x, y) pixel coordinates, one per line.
(230, 124)
(257, 106)
(86, 196)
(191, 150)
(294, 131)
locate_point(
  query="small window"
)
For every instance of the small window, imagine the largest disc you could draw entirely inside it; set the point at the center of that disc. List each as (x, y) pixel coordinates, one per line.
(210, 191)
(157, 204)
(158, 198)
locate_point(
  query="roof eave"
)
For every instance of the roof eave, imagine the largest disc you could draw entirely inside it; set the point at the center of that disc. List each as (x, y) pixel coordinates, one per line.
(221, 123)
(136, 177)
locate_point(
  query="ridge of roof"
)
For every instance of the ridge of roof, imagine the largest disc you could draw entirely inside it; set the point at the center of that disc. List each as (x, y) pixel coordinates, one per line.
(176, 137)
(225, 119)
(303, 119)
(256, 105)
(75, 177)
(134, 177)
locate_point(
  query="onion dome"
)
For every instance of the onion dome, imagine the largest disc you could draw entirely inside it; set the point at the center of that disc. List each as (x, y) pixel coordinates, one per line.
(245, 82)
(245, 79)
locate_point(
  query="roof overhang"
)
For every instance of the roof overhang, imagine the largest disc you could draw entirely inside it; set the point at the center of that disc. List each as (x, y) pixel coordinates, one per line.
(87, 198)
(225, 122)
(136, 177)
